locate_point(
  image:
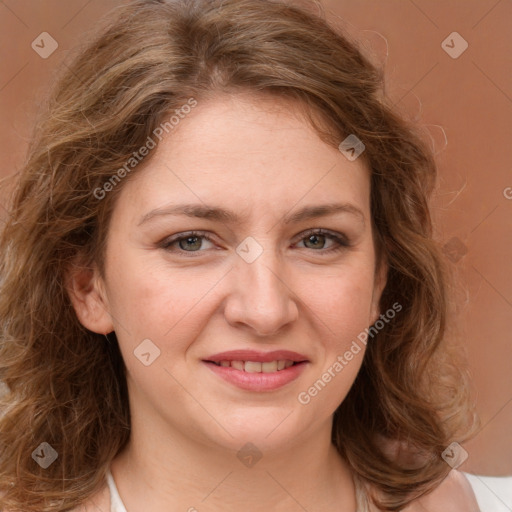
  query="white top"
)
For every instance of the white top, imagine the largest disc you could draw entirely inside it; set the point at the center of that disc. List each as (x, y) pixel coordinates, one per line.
(494, 494)
(116, 504)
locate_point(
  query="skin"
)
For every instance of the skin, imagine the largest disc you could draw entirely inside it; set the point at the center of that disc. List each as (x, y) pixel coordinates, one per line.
(257, 157)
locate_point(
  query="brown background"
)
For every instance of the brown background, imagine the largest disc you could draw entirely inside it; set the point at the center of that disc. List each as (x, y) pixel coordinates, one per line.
(468, 99)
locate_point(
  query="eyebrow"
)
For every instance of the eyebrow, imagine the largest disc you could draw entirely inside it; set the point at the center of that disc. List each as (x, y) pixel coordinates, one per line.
(215, 213)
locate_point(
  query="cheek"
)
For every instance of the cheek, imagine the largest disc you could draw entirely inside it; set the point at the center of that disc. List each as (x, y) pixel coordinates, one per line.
(341, 309)
(343, 300)
(152, 301)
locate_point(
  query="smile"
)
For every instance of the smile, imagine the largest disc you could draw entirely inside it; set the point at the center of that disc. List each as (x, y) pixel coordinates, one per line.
(257, 367)
(257, 376)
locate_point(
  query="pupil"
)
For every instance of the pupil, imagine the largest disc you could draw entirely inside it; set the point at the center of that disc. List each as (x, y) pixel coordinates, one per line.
(313, 238)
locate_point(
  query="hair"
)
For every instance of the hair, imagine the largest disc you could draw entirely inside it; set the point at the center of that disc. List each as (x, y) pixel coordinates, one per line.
(66, 385)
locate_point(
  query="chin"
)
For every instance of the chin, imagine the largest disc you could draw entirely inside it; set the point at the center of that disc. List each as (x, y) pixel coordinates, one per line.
(275, 433)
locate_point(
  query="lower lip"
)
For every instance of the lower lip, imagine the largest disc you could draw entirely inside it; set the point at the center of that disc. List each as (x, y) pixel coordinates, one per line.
(257, 381)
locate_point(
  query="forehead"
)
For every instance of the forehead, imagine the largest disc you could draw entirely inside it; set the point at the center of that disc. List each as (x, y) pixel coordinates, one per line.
(247, 152)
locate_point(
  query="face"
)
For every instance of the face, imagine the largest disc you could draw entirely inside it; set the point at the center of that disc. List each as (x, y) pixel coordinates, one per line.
(212, 303)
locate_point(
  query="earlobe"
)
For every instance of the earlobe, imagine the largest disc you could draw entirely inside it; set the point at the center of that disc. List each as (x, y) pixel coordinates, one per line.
(87, 294)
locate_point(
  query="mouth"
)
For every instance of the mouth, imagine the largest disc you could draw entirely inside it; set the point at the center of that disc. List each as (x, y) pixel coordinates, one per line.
(257, 366)
(257, 371)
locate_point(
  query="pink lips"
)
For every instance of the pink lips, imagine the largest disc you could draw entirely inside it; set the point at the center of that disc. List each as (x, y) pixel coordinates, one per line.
(257, 381)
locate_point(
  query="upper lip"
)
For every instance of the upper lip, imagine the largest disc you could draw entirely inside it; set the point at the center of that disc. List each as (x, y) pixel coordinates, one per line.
(256, 356)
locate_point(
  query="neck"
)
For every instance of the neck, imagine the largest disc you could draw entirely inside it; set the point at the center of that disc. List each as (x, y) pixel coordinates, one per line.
(163, 465)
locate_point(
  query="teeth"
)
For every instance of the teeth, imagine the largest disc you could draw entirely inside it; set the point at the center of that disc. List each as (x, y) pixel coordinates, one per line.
(257, 367)
(252, 367)
(237, 365)
(269, 367)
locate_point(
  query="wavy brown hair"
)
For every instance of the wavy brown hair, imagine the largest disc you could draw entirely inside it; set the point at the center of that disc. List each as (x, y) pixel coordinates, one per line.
(66, 384)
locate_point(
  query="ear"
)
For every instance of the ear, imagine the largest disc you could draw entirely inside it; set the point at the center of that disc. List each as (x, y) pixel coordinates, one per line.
(86, 290)
(381, 277)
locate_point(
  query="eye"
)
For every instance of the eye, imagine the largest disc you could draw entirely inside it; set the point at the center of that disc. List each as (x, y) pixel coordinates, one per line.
(189, 242)
(316, 238)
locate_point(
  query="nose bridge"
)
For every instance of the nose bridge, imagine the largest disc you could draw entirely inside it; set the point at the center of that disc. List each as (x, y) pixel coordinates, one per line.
(264, 275)
(260, 297)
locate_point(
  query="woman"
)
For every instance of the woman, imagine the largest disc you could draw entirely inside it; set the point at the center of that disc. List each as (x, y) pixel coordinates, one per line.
(220, 289)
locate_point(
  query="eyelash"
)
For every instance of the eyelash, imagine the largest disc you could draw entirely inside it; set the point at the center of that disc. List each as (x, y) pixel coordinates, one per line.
(340, 240)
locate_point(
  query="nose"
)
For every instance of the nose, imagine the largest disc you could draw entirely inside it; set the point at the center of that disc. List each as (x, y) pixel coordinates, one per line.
(261, 298)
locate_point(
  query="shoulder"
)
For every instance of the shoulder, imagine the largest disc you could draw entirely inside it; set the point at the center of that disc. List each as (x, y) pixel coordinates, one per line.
(454, 494)
(98, 501)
